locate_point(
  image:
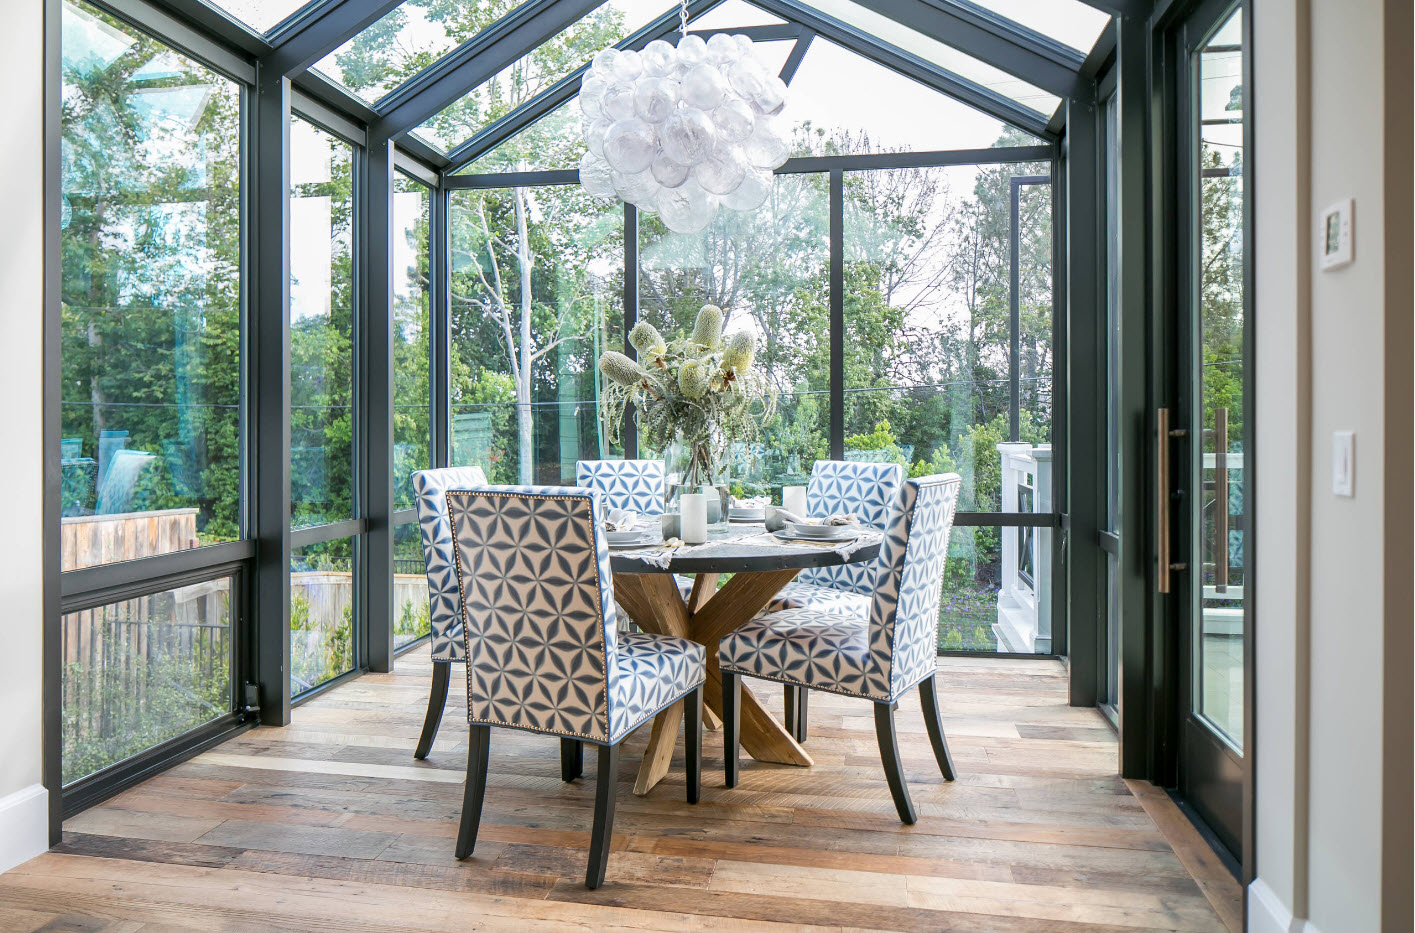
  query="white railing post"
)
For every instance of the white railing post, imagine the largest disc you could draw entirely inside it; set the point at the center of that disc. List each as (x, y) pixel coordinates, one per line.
(1042, 549)
(1016, 614)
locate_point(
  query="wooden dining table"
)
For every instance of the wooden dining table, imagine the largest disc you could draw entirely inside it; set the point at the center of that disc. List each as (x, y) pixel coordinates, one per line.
(647, 589)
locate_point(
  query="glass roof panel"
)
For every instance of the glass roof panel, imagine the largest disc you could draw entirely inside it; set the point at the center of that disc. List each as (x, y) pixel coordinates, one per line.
(556, 140)
(1069, 22)
(405, 41)
(533, 73)
(937, 53)
(736, 13)
(260, 15)
(841, 101)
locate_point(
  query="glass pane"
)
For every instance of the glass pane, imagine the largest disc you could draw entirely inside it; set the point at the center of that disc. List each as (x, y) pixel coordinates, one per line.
(842, 102)
(533, 73)
(735, 13)
(537, 295)
(151, 288)
(770, 271)
(929, 375)
(321, 326)
(411, 332)
(407, 40)
(1220, 548)
(142, 671)
(556, 140)
(944, 56)
(321, 613)
(260, 15)
(412, 615)
(1076, 24)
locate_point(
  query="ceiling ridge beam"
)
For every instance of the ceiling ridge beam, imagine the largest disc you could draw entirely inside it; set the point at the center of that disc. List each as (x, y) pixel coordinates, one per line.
(1037, 59)
(300, 42)
(497, 132)
(912, 66)
(475, 61)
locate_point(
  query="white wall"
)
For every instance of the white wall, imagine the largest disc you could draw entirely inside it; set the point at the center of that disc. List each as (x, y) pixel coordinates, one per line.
(23, 807)
(1333, 573)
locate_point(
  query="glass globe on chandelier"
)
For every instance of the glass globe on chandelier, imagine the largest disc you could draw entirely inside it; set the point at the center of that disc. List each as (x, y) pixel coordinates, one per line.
(681, 131)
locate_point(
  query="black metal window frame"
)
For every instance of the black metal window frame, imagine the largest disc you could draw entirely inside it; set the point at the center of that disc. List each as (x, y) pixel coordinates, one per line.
(274, 73)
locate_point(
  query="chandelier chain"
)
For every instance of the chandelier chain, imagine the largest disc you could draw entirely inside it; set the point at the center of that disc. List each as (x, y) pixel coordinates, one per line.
(682, 17)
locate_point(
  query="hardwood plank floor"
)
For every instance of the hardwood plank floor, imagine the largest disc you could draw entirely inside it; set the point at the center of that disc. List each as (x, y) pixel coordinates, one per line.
(329, 824)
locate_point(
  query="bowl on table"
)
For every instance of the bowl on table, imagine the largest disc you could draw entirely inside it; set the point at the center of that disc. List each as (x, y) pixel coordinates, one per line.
(811, 531)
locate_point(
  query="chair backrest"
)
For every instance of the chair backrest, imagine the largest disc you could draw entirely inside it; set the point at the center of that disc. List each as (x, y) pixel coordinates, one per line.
(430, 488)
(538, 608)
(904, 613)
(636, 485)
(869, 491)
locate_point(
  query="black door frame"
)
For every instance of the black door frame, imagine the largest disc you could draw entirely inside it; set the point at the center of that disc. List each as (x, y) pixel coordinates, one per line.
(1178, 30)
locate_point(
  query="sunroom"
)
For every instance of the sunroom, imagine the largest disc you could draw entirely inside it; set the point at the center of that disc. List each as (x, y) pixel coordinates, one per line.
(817, 351)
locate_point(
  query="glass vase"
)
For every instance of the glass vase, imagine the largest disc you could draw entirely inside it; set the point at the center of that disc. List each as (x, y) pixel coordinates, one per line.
(696, 467)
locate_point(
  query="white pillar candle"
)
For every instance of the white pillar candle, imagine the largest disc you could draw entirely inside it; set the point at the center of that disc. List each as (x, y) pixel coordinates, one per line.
(793, 499)
(693, 505)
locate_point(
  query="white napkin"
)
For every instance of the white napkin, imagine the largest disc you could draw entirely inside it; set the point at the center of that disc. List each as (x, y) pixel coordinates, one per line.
(620, 520)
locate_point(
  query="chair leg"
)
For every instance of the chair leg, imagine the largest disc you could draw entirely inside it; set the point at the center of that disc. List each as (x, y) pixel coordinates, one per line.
(606, 785)
(731, 725)
(478, 749)
(437, 699)
(693, 742)
(893, 767)
(572, 759)
(797, 703)
(928, 693)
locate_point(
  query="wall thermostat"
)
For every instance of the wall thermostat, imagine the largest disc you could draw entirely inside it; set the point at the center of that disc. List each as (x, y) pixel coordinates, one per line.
(1335, 235)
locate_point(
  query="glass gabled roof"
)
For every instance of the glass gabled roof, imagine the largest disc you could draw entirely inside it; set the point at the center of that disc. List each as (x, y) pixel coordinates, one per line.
(1069, 22)
(260, 15)
(533, 73)
(407, 40)
(937, 53)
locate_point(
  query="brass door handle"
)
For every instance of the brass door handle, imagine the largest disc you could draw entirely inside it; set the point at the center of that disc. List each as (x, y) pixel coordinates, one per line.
(1163, 504)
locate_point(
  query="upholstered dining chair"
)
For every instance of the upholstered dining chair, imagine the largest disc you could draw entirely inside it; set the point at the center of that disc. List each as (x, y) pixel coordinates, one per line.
(878, 656)
(430, 489)
(542, 646)
(868, 491)
(635, 485)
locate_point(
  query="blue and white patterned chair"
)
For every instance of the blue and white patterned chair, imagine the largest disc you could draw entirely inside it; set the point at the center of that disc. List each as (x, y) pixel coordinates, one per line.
(879, 656)
(430, 488)
(544, 654)
(636, 485)
(868, 491)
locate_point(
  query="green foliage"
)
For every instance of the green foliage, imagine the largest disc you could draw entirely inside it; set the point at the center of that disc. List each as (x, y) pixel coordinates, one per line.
(414, 621)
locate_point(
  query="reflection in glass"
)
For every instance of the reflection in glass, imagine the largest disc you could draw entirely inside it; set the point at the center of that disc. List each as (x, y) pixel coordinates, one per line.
(1220, 378)
(1073, 22)
(535, 72)
(928, 372)
(150, 239)
(321, 613)
(142, 671)
(321, 326)
(411, 332)
(261, 15)
(537, 295)
(411, 613)
(769, 270)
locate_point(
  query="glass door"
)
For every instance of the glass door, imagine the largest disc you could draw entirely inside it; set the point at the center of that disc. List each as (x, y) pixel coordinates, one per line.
(1210, 428)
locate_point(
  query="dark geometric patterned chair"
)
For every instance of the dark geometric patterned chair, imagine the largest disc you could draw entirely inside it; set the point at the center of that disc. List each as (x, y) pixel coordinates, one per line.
(879, 656)
(868, 491)
(635, 485)
(430, 487)
(544, 654)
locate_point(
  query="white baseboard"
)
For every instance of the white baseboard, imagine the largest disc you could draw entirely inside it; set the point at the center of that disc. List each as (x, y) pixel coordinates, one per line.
(24, 825)
(1268, 914)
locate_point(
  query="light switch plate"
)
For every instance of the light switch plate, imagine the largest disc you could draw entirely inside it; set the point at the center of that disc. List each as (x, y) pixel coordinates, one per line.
(1336, 234)
(1343, 463)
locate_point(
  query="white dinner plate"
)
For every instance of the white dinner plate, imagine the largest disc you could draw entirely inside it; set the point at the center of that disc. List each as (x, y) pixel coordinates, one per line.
(808, 532)
(636, 538)
(736, 514)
